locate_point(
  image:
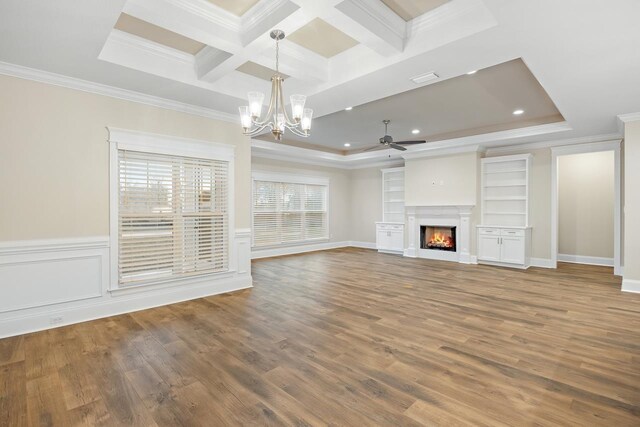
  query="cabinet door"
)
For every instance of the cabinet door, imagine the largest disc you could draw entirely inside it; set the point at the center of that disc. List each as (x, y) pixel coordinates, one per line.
(489, 248)
(383, 239)
(512, 250)
(397, 241)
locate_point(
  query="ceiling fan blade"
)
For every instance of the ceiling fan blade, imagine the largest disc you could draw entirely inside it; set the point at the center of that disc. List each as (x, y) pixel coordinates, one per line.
(410, 142)
(397, 147)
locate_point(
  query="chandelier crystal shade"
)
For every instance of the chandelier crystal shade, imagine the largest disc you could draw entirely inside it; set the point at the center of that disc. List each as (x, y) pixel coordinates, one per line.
(276, 119)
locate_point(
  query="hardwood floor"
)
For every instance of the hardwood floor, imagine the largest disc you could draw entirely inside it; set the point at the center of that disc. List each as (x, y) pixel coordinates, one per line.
(347, 337)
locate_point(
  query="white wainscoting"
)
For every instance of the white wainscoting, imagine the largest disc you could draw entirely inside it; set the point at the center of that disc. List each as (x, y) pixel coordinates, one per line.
(50, 283)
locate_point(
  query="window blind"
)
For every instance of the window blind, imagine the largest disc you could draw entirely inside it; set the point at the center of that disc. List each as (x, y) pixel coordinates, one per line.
(285, 212)
(172, 217)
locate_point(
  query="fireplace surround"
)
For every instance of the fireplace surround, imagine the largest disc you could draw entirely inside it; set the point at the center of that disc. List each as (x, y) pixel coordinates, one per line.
(424, 219)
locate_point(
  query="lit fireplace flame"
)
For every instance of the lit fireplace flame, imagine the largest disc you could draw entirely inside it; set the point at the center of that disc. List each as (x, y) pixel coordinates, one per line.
(441, 240)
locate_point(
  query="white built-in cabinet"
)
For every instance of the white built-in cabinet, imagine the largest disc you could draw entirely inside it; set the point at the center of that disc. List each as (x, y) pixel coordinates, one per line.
(390, 231)
(504, 236)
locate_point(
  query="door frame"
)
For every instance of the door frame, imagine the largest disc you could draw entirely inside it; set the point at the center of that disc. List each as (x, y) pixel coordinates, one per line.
(594, 147)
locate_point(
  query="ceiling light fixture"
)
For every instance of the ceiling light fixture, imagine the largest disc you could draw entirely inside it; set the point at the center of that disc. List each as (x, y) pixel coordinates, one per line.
(346, 144)
(348, 109)
(518, 112)
(472, 72)
(415, 131)
(276, 118)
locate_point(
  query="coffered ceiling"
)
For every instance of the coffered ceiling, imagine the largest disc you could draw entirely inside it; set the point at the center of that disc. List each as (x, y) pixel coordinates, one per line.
(410, 9)
(203, 56)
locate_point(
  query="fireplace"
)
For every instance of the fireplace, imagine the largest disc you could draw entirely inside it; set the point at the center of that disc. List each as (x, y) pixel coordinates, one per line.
(440, 238)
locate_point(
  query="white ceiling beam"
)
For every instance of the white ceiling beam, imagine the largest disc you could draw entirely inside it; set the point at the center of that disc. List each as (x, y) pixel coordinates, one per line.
(208, 59)
(264, 17)
(372, 23)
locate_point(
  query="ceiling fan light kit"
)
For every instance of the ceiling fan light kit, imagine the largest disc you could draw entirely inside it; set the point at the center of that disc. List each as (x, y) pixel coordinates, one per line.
(277, 119)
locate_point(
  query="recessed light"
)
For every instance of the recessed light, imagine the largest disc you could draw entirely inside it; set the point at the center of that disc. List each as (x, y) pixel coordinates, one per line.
(518, 112)
(472, 72)
(348, 109)
(346, 144)
(415, 131)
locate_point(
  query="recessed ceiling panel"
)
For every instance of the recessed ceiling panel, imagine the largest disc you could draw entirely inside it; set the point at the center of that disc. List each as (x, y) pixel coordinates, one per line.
(322, 38)
(237, 7)
(462, 106)
(140, 28)
(410, 9)
(257, 70)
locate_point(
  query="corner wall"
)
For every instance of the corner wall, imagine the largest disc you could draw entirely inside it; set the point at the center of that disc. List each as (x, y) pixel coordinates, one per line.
(631, 279)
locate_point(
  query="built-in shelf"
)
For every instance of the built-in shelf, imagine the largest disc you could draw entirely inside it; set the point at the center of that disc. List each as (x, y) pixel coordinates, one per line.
(505, 213)
(505, 190)
(505, 198)
(505, 171)
(504, 238)
(393, 195)
(507, 184)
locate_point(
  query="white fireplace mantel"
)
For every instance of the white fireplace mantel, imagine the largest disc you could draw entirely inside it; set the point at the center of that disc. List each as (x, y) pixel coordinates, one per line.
(458, 216)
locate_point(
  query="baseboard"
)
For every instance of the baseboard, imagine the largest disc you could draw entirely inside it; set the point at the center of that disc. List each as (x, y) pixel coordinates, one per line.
(591, 260)
(362, 245)
(313, 247)
(296, 249)
(630, 285)
(541, 262)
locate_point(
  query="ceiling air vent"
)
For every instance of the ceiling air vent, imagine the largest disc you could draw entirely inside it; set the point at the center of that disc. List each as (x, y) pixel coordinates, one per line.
(424, 78)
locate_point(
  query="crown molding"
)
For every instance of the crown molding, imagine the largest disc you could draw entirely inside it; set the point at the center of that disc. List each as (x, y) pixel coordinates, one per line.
(443, 152)
(627, 118)
(553, 143)
(112, 92)
(275, 151)
(210, 12)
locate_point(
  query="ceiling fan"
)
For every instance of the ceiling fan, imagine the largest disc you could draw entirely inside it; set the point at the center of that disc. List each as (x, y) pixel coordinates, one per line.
(387, 140)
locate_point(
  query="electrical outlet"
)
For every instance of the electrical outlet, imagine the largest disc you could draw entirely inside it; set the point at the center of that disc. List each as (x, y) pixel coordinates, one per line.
(56, 320)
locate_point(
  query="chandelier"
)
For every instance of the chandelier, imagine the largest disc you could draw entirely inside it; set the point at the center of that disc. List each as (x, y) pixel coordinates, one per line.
(277, 119)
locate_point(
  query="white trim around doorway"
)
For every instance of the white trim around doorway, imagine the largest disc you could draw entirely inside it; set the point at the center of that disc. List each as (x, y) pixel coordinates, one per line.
(594, 147)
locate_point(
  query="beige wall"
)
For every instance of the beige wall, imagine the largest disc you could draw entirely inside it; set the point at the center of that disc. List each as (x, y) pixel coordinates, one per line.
(339, 191)
(54, 163)
(539, 202)
(437, 181)
(366, 203)
(586, 193)
(632, 201)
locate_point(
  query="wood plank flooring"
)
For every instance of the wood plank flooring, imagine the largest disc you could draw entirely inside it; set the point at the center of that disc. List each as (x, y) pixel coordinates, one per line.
(347, 337)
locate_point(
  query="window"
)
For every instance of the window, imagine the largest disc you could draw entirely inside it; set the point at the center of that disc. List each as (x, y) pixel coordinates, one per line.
(172, 217)
(286, 211)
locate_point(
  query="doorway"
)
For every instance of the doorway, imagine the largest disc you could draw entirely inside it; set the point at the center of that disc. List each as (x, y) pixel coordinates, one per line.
(586, 204)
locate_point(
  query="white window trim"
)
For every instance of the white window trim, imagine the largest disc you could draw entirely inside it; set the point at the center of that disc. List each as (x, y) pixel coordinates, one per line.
(123, 139)
(294, 179)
